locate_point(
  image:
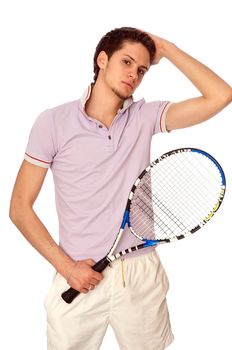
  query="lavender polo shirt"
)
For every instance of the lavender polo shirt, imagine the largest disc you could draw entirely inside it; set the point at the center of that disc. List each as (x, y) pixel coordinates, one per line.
(94, 169)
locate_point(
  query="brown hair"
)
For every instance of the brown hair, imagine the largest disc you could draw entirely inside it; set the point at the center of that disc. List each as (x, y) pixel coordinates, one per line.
(114, 40)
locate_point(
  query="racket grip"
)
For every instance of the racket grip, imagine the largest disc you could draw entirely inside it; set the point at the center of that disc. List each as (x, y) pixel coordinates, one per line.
(69, 295)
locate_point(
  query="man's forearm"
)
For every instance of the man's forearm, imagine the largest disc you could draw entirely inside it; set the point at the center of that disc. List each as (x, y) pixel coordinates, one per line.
(205, 80)
(36, 233)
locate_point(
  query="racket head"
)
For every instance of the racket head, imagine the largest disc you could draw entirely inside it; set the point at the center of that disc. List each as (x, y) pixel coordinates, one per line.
(175, 196)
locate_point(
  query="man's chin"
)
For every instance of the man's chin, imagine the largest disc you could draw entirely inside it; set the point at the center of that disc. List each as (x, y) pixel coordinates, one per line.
(121, 95)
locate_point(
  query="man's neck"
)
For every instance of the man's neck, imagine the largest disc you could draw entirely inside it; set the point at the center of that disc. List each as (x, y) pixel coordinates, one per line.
(103, 104)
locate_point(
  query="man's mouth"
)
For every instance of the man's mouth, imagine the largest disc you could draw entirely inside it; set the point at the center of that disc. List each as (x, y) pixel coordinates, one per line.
(129, 84)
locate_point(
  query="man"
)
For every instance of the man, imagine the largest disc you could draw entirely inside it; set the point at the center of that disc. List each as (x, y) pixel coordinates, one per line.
(96, 147)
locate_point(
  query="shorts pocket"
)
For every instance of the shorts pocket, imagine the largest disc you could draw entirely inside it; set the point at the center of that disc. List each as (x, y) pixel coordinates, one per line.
(58, 286)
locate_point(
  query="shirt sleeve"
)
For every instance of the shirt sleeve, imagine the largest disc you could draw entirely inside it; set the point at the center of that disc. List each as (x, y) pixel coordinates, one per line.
(155, 113)
(41, 148)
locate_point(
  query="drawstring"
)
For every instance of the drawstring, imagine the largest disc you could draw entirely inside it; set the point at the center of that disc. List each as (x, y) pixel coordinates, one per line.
(123, 277)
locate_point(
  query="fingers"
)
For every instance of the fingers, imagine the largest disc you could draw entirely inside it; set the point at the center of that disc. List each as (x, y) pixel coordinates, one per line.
(89, 288)
(97, 275)
(83, 277)
(90, 262)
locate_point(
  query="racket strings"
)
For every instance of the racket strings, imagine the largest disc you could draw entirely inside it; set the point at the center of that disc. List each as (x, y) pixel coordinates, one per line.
(187, 180)
(198, 181)
(202, 189)
(198, 195)
(175, 195)
(205, 192)
(168, 224)
(159, 220)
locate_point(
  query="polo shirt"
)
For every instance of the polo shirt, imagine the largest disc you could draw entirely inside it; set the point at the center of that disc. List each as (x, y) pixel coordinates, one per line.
(94, 168)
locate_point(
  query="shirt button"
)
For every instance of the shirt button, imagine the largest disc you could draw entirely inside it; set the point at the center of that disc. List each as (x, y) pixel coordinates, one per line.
(109, 137)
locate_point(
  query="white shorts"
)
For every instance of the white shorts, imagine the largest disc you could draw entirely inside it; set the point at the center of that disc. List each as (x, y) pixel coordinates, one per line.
(137, 311)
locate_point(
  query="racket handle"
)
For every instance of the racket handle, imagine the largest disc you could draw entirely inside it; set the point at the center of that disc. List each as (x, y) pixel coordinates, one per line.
(69, 295)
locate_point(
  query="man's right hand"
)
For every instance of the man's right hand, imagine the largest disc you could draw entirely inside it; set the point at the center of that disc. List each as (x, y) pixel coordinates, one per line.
(83, 278)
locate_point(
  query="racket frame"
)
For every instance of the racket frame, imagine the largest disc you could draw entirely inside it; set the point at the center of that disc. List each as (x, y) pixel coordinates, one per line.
(71, 293)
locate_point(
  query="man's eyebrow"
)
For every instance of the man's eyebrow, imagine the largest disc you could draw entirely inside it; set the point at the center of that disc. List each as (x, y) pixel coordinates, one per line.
(135, 61)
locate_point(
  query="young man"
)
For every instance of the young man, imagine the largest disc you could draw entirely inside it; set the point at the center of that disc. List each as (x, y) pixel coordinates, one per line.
(96, 147)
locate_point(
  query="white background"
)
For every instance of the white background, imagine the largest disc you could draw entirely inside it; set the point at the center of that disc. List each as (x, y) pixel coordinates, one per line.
(46, 59)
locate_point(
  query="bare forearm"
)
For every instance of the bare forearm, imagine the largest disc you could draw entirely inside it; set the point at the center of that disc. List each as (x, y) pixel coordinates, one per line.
(36, 233)
(216, 94)
(205, 80)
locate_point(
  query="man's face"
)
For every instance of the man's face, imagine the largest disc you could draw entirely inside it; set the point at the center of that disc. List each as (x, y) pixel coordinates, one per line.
(126, 68)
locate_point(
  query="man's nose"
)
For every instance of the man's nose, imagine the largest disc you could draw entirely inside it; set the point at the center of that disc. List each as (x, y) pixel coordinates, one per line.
(133, 74)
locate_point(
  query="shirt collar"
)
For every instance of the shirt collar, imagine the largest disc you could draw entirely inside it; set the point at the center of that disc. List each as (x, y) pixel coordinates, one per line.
(87, 93)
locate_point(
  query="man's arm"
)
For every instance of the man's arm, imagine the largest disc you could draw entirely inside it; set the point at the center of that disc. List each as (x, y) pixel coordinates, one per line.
(216, 93)
(27, 187)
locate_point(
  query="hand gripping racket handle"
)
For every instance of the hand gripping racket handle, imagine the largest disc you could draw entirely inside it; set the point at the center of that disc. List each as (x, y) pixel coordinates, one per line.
(72, 293)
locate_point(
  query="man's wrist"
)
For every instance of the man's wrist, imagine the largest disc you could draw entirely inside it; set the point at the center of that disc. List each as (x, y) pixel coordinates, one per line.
(71, 271)
(167, 48)
(62, 262)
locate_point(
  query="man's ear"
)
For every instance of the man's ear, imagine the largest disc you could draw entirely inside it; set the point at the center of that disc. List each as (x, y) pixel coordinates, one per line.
(102, 60)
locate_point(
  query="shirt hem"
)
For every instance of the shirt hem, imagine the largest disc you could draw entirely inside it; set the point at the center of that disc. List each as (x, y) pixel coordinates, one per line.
(37, 161)
(163, 118)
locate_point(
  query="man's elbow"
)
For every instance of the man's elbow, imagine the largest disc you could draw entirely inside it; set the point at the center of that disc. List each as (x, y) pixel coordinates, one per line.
(230, 96)
(17, 210)
(222, 98)
(227, 97)
(14, 211)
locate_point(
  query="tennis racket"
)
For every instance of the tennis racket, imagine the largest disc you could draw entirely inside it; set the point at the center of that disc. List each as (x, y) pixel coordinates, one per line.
(172, 198)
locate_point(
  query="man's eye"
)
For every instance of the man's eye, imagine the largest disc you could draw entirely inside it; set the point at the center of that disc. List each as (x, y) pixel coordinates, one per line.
(126, 62)
(141, 72)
